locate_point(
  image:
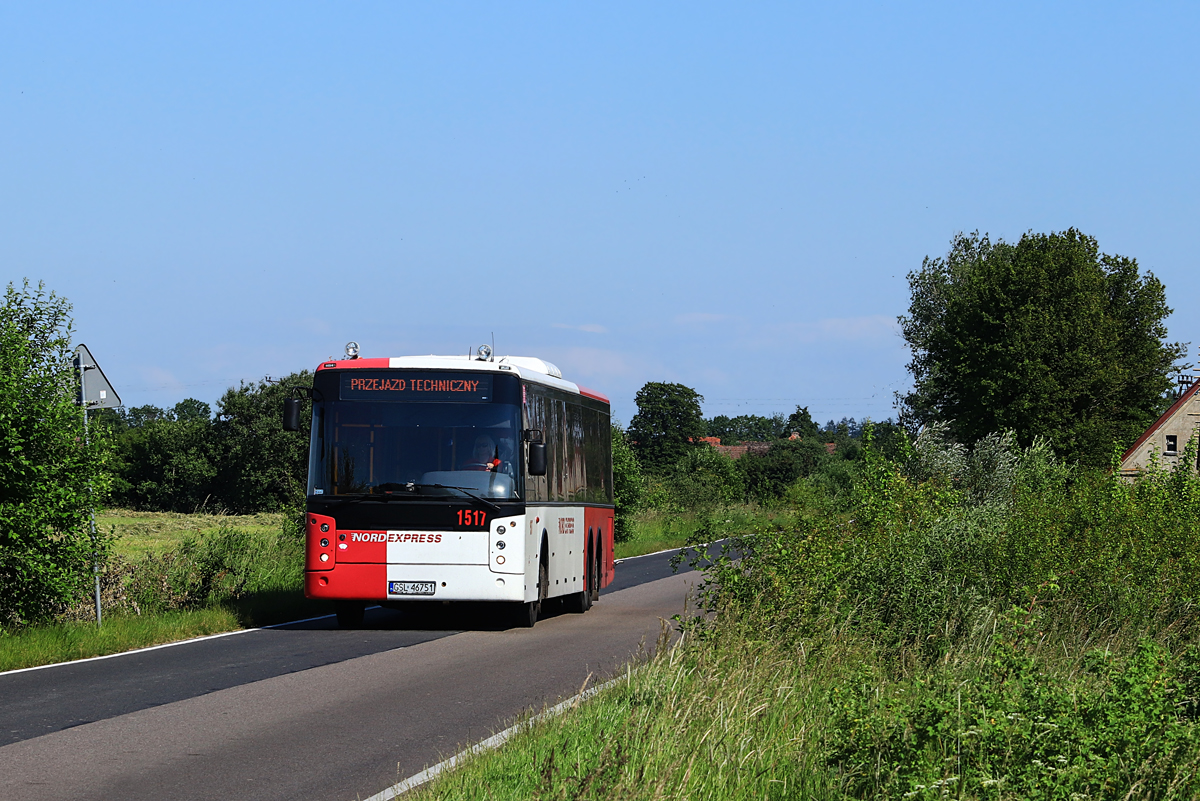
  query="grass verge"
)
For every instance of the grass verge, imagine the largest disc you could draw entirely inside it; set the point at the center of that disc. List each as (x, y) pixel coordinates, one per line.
(656, 530)
(67, 641)
(63, 642)
(719, 721)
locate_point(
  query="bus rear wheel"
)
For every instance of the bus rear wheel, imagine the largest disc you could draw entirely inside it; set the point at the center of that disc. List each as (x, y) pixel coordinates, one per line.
(349, 613)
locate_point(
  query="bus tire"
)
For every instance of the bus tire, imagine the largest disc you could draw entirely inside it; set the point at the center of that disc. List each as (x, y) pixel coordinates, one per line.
(526, 615)
(597, 563)
(350, 613)
(581, 601)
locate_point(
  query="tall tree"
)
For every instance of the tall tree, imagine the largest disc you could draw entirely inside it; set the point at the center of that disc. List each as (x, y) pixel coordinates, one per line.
(260, 467)
(801, 422)
(48, 471)
(747, 428)
(668, 422)
(1046, 337)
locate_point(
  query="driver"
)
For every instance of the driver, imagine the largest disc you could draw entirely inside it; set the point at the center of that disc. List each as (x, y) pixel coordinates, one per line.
(484, 456)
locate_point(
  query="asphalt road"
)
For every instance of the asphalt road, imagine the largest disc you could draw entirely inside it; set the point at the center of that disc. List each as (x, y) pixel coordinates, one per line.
(306, 710)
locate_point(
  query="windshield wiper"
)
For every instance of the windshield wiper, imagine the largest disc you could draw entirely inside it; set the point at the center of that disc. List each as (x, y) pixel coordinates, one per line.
(464, 491)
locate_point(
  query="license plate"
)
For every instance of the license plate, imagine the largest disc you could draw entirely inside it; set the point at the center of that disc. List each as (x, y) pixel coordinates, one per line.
(411, 587)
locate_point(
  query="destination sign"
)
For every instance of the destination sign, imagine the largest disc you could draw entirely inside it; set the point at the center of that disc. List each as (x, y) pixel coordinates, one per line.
(411, 386)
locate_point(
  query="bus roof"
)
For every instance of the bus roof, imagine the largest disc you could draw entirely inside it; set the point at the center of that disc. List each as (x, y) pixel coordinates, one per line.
(528, 368)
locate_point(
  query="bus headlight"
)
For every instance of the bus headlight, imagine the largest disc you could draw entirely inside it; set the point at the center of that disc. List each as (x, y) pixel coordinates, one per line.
(324, 543)
(500, 545)
(324, 557)
(500, 529)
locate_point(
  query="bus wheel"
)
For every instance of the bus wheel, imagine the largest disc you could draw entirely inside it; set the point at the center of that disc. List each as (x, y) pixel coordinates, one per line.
(526, 615)
(581, 601)
(594, 584)
(350, 613)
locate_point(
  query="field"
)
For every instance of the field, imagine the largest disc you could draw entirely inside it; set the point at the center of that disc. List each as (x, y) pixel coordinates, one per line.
(141, 533)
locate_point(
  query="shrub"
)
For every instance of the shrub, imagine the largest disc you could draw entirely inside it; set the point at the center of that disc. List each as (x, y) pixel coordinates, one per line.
(49, 471)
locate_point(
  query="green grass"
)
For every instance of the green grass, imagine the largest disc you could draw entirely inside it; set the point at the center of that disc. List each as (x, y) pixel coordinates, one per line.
(720, 722)
(63, 642)
(142, 533)
(657, 530)
(44, 645)
(174, 577)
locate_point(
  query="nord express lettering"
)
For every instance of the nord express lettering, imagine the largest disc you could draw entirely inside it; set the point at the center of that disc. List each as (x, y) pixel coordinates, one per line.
(395, 536)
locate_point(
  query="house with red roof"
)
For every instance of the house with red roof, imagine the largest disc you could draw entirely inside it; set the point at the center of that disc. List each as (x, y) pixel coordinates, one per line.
(1168, 436)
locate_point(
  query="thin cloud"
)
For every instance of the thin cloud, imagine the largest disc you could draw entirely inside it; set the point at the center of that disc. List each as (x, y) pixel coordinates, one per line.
(840, 329)
(590, 328)
(701, 317)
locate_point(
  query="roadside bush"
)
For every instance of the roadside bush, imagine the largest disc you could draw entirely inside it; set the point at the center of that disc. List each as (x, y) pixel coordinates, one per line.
(1028, 629)
(50, 474)
(768, 476)
(704, 479)
(628, 483)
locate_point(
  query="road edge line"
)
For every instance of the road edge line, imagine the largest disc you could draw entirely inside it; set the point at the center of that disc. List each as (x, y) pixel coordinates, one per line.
(495, 741)
(677, 550)
(164, 645)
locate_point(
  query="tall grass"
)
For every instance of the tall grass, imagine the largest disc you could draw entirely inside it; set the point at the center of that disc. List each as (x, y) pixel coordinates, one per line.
(213, 580)
(982, 623)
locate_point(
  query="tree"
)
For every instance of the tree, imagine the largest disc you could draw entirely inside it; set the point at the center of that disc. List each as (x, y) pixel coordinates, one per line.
(801, 422)
(628, 484)
(667, 424)
(48, 470)
(260, 467)
(166, 464)
(1046, 337)
(190, 409)
(747, 428)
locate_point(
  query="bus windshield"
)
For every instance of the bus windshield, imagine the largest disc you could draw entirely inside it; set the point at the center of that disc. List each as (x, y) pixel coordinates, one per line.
(377, 447)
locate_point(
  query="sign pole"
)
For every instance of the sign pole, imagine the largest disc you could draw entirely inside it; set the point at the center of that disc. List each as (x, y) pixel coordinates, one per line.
(91, 511)
(103, 396)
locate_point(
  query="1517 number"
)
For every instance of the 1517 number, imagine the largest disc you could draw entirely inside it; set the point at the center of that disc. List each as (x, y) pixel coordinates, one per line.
(471, 517)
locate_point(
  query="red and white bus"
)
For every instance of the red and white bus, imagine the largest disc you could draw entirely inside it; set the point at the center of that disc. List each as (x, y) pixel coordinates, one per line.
(456, 478)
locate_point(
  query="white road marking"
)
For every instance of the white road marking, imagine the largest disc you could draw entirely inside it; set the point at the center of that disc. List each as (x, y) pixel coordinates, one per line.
(167, 645)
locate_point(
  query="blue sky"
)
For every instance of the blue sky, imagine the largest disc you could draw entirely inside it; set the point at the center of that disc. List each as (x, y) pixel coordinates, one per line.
(722, 196)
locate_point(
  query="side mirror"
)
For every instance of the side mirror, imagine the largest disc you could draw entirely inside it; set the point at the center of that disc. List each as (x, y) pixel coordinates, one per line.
(537, 458)
(291, 414)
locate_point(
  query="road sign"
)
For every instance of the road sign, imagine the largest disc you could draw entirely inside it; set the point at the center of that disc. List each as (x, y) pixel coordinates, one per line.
(97, 392)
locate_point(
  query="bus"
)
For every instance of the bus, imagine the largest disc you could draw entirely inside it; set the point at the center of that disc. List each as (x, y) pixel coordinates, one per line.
(455, 478)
